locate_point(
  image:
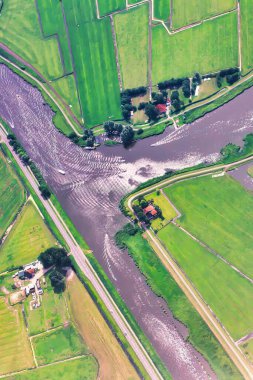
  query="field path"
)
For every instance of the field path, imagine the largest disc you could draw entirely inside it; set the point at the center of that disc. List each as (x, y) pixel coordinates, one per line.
(116, 52)
(239, 35)
(150, 47)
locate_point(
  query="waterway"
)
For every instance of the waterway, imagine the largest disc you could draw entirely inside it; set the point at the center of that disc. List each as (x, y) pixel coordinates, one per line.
(95, 181)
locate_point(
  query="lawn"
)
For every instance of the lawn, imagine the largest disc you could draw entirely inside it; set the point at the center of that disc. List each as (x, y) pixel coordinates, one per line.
(20, 31)
(229, 295)
(167, 210)
(204, 48)
(113, 362)
(59, 344)
(186, 12)
(250, 171)
(85, 368)
(27, 239)
(51, 313)
(51, 17)
(162, 9)
(15, 350)
(164, 286)
(248, 349)
(219, 211)
(247, 35)
(109, 6)
(131, 29)
(12, 194)
(95, 62)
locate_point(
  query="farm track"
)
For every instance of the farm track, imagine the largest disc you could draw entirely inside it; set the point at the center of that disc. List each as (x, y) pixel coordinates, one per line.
(185, 284)
(116, 52)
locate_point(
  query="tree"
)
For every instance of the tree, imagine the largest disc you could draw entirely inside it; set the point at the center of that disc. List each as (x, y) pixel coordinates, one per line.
(219, 81)
(127, 135)
(231, 79)
(230, 150)
(55, 256)
(186, 88)
(45, 192)
(151, 111)
(58, 281)
(197, 78)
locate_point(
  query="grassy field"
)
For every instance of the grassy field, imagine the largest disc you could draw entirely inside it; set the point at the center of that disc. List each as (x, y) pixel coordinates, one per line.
(248, 349)
(51, 313)
(186, 12)
(218, 211)
(85, 368)
(51, 17)
(205, 48)
(132, 39)
(247, 35)
(20, 31)
(12, 194)
(164, 286)
(109, 6)
(15, 349)
(66, 88)
(58, 345)
(162, 9)
(27, 239)
(95, 65)
(113, 362)
(229, 295)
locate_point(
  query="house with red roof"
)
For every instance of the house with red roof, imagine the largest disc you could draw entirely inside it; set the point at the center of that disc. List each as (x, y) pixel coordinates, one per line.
(150, 211)
(162, 108)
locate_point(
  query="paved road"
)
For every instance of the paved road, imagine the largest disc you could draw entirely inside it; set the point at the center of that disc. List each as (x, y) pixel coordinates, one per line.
(89, 272)
(206, 313)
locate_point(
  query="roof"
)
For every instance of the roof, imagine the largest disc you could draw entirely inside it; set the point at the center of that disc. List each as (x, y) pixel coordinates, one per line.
(161, 108)
(148, 209)
(30, 270)
(153, 212)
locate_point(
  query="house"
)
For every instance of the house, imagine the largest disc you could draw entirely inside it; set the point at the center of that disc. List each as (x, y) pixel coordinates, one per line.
(29, 273)
(162, 108)
(30, 289)
(21, 274)
(150, 211)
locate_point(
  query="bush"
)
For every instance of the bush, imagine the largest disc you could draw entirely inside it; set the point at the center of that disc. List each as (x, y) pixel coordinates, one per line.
(140, 131)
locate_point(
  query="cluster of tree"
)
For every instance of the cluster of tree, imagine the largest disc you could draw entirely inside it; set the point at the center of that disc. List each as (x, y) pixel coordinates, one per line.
(160, 98)
(232, 70)
(59, 260)
(151, 111)
(113, 129)
(171, 84)
(175, 100)
(17, 147)
(138, 210)
(134, 92)
(232, 75)
(88, 138)
(230, 150)
(126, 105)
(127, 136)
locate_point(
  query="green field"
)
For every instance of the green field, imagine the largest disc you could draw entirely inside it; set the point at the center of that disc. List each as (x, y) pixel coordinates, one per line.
(164, 286)
(85, 368)
(12, 194)
(95, 62)
(247, 35)
(204, 48)
(15, 350)
(131, 29)
(229, 295)
(186, 12)
(162, 9)
(51, 313)
(50, 14)
(218, 211)
(27, 239)
(20, 31)
(58, 345)
(109, 6)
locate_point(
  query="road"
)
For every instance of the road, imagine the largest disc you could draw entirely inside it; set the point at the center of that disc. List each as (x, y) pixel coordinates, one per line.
(185, 284)
(89, 272)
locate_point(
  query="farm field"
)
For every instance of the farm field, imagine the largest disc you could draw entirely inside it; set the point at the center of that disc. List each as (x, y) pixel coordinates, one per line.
(205, 47)
(131, 29)
(113, 362)
(27, 239)
(211, 209)
(52, 22)
(85, 368)
(15, 349)
(52, 312)
(199, 264)
(164, 285)
(247, 35)
(24, 38)
(12, 194)
(95, 66)
(109, 6)
(185, 12)
(58, 345)
(162, 9)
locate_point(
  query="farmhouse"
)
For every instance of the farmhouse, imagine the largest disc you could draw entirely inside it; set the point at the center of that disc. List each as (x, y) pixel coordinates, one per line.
(162, 108)
(150, 211)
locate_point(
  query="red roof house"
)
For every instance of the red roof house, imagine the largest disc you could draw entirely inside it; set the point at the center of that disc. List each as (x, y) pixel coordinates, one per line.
(162, 108)
(150, 211)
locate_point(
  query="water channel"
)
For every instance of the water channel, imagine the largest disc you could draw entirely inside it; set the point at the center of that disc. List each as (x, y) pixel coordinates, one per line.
(95, 181)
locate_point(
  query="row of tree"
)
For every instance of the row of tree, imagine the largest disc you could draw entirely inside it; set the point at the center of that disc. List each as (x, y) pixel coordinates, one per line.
(126, 133)
(17, 147)
(88, 138)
